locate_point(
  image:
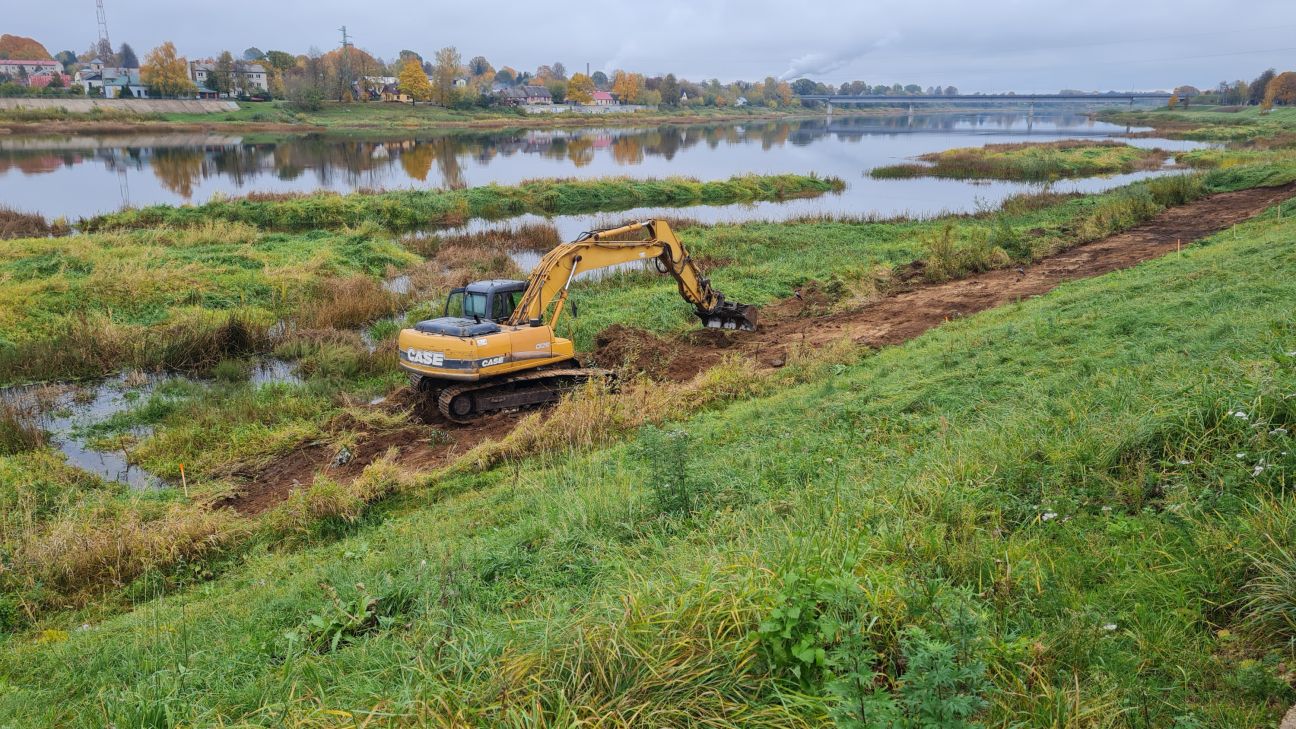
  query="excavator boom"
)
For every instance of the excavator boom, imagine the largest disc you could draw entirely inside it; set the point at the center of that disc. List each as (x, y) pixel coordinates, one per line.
(552, 277)
(501, 350)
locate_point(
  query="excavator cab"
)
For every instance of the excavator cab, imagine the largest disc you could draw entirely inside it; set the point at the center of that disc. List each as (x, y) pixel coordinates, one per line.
(492, 300)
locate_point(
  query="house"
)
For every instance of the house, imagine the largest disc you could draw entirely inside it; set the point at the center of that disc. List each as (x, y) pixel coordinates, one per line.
(41, 80)
(249, 77)
(18, 68)
(392, 92)
(525, 96)
(740, 101)
(461, 82)
(602, 98)
(110, 82)
(371, 88)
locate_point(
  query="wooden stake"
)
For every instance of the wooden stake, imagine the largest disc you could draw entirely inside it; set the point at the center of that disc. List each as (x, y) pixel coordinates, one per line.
(183, 481)
(1178, 247)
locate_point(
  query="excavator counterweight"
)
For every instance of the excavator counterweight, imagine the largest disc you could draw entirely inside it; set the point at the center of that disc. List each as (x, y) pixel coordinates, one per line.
(495, 348)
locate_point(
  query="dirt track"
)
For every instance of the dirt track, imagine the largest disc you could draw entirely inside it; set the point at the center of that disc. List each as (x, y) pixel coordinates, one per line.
(891, 320)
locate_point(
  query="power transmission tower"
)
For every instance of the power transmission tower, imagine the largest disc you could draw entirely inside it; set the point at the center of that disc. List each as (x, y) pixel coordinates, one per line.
(105, 46)
(104, 43)
(346, 64)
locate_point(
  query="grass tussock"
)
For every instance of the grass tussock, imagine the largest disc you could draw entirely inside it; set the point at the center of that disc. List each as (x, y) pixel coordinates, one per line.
(347, 303)
(411, 209)
(103, 547)
(326, 500)
(18, 430)
(15, 224)
(93, 344)
(1032, 161)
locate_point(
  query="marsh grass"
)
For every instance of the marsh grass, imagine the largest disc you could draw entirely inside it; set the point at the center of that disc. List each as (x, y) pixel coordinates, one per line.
(1032, 161)
(19, 431)
(15, 224)
(407, 210)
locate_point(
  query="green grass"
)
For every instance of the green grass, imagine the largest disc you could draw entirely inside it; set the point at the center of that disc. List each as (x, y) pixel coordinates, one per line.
(1065, 468)
(87, 305)
(411, 209)
(1245, 124)
(1031, 161)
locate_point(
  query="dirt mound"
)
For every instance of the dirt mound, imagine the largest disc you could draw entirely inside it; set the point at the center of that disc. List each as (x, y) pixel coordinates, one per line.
(632, 351)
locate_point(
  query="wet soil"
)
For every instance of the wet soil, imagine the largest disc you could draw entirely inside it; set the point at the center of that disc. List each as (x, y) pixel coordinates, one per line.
(798, 320)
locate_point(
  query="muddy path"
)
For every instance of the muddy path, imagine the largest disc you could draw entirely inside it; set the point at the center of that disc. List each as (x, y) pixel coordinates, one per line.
(796, 321)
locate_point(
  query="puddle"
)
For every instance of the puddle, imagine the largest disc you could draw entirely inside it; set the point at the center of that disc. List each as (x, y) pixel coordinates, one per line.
(66, 412)
(399, 285)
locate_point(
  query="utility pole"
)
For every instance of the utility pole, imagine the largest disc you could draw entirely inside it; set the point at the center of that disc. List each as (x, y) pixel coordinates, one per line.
(346, 64)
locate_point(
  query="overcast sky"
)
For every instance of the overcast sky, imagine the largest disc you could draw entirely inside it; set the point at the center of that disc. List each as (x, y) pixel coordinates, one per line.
(992, 45)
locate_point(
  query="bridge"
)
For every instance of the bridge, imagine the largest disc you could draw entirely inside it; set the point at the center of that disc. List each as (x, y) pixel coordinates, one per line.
(831, 100)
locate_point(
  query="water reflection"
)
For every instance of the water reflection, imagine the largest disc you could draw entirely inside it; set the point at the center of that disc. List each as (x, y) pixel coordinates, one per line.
(35, 173)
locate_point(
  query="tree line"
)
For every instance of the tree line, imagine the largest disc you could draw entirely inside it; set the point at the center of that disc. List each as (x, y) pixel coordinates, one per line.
(1266, 90)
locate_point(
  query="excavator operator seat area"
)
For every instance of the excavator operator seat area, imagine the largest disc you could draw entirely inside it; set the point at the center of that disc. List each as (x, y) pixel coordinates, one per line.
(492, 300)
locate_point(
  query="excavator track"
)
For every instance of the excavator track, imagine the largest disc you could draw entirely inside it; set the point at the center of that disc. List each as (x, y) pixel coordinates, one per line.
(461, 403)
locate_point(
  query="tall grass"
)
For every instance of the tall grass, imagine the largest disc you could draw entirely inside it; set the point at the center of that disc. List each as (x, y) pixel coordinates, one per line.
(1034, 161)
(405, 210)
(15, 224)
(18, 430)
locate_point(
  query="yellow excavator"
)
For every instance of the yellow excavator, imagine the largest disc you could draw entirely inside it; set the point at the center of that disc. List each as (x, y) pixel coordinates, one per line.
(494, 347)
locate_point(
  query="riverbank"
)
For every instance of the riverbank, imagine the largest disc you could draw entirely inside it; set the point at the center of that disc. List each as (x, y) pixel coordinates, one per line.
(369, 118)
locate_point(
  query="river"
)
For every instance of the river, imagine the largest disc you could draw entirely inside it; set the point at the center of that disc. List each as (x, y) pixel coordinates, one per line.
(77, 176)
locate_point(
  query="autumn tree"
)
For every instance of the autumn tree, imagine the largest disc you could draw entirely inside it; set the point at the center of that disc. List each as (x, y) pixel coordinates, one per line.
(1281, 90)
(506, 75)
(628, 87)
(580, 89)
(479, 66)
(22, 48)
(414, 81)
(165, 73)
(559, 71)
(1256, 91)
(443, 75)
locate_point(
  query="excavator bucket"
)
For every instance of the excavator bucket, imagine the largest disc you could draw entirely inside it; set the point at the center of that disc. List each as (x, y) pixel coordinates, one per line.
(729, 315)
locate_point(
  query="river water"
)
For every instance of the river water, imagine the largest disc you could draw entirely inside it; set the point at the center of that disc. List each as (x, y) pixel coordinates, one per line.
(83, 175)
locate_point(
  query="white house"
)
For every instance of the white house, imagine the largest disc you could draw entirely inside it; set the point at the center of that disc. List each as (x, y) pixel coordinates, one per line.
(18, 68)
(252, 75)
(110, 82)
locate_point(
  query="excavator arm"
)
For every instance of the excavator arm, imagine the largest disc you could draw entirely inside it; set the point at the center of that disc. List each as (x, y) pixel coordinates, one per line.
(548, 285)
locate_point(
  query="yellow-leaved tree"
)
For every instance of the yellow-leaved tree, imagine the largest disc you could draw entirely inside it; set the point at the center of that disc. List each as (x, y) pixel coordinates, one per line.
(165, 73)
(1281, 90)
(628, 87)
(580, 89)
(414, 81)
(443, 75)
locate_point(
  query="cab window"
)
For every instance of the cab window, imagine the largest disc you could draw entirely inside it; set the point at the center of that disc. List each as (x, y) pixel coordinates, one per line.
(474, 305)
(505, 302)
(464, 304)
